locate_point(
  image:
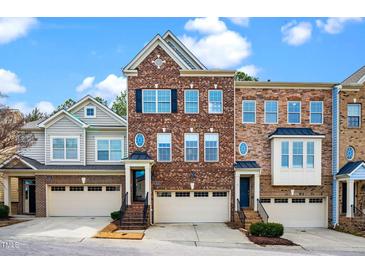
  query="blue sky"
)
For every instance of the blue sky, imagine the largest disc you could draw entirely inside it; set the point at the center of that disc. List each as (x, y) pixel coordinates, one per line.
(45, 61)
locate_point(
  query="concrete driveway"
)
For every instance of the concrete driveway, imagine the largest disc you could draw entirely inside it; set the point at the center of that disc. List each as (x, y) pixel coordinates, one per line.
(76, 228)
(326, 241)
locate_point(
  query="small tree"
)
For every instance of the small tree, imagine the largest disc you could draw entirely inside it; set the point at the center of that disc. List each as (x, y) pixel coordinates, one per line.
(65, 105)
(242, 76)
(101, 100)
(35, 115)
(120, 104)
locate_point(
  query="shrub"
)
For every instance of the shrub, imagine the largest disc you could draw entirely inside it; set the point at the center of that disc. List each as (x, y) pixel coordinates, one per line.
(273, 230)
(115, 215)
(4, 211)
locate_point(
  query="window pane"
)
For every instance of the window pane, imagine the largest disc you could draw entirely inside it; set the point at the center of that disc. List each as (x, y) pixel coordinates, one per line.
(103, 145)
(103, 155)
(298, 154)
(316, 118)
(310, 154)
(249, 117)
(115, 144)
(294, 107)
(316, 107)
(164, 147)
(191, 145)
(215, 101)
(149, 101)
(191, 101)
(249, 106)
(71, 154)
(211, 147)
(310, 148)
(284, 147)
(271, 118)
(103, 150)
(353, 110)
(285, 154)
(164, 100)
(191, 154)
(58, 153)
(115, 155)
(71, 143)
(294, 118)
(150, 107)
(271, 106)
(164, 154)
(90, 111)
(58, 143)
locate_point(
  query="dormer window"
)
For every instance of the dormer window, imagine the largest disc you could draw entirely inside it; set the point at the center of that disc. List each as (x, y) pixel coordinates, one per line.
(90, 112)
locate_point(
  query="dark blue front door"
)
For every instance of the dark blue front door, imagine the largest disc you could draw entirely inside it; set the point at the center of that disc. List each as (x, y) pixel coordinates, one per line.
(244, 192)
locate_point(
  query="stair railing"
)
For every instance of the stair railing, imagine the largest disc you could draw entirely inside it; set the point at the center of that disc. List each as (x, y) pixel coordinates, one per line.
(240, 213)
(145, 209)
(123, 207)
(357, 211)
(262, 212)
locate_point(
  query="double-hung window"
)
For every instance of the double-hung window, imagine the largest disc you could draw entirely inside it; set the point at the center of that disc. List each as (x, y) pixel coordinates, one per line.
(249, 111)
(65, 148)
(109, 149)
(191, 147)
(316, 112)
(164, 147)
(215, 98)
(271, 112)
(298, 154)
(285, 154)
(211, 147)
(353, 115)
(294, 112)
(310, 154)
(191, 101)
(156, 101)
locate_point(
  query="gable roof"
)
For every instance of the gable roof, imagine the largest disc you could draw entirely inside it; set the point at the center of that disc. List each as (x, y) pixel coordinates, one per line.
(22, 159)
(246, 164)
(173, 47)
(290, 131)
(52, 119)
(350, 167)
(105, 108)
(358, 77)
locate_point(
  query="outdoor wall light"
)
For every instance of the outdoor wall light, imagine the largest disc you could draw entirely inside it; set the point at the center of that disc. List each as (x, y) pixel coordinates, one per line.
(83, 180)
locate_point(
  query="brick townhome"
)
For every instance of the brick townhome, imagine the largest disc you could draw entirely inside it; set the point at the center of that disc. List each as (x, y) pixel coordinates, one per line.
(200, 147)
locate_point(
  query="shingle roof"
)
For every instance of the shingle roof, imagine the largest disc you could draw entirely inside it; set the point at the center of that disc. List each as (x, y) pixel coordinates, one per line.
(246, 164)
(33, 124)
(349, 167)
(139, 155)
(355, 77)
(294, 131)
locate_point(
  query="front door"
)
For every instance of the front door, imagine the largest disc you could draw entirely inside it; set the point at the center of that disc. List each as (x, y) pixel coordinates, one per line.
(32, 199)
(29, 196)
(344, 198)
(244, 192)
(138, 185)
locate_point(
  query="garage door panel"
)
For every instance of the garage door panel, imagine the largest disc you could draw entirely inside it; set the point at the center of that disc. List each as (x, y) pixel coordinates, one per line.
(83, 203)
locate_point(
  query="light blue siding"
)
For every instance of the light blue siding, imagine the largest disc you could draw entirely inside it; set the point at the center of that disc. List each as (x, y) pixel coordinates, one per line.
(359, 174)
(335, 130)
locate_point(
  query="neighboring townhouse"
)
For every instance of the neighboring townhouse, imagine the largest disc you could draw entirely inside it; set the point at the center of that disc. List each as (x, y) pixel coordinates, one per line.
(73, 168)
(349, 190)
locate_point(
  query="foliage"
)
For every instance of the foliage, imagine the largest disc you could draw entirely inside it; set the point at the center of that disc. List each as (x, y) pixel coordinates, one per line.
(65, 105)
(241, 76)
(4, 211)
(267, 230)
(115, 215)
(35, 115)
(120, 104)
(101, 100)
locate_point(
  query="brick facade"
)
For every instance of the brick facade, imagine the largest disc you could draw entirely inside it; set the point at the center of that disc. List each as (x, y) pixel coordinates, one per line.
(178, 173)
(42, 181)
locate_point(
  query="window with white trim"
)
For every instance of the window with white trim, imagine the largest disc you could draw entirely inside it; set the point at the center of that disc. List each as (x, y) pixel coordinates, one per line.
(65, 148)
(191, 101)
(310, 154)
(191, 147)
(271, 112)
(58, 188)
(294, 112)
(249, 111)
(219, 194)
(201, 194)
(281, 200)
(156, 101)
(182, 194)
(76, 188)
(285, 154)
(109, 149)
(112, 188)
(298, 200)
(90, 112)
(353, 115)
(164, 147)
(211, 147)
(298, 154)
(163, 194)
(94, 188)
(316, 112)
(215, 98)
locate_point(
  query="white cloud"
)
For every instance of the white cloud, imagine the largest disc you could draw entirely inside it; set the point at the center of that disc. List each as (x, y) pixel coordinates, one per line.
(14, 28)
(336, 24)
(10, 83)
(86, 83)
(240, 21)
(296, 34)
(251, 70)
(45, 106)
(221, 48)
(206, 25)
(108, 88)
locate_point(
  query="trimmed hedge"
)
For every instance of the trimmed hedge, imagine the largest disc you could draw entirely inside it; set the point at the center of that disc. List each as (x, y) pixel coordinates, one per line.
(115, 215)
(4, 211)
(272, 230)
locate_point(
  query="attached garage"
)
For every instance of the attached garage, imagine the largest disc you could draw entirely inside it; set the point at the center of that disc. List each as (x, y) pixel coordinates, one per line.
(81, 200)
(191, 207)
(297, 212)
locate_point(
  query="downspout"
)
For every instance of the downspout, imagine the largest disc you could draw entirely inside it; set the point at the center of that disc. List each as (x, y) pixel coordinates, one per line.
(335, 150)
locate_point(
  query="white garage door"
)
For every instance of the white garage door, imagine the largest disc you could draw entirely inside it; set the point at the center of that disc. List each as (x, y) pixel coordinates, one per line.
(83, 200)
(194, 207)
(297, 212)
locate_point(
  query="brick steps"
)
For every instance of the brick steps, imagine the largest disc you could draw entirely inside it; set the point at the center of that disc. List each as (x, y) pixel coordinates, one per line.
(252, 217)
(133, 218)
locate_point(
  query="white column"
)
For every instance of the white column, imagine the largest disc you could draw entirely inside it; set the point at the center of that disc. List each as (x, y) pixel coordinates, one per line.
(337, 197)
(128, 182)
(257, 190)
(350, 198)
(7, 191)
(236, 189)
(147, 178)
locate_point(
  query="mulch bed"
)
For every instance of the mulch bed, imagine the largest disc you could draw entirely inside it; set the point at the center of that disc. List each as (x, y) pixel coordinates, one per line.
(263, 241)
(11, 221)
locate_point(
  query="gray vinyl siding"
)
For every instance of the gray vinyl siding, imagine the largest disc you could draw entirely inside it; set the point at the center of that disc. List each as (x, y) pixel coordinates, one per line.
(64, 127)
(36, 151)
(91, 137)
(102, 117)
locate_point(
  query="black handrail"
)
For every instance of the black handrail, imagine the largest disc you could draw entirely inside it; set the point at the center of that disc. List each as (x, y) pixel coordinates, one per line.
(123, 207)
(240, 213)
(145, 209)
(357, 211)
(262, 212)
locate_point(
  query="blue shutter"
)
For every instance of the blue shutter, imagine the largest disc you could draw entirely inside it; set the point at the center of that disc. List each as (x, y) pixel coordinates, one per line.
(138, 100)
(174, 100)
